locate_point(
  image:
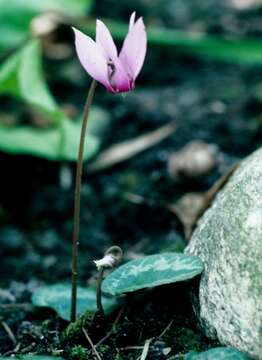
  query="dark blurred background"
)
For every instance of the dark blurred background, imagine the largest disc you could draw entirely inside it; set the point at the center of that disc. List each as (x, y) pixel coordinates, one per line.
(202, 72)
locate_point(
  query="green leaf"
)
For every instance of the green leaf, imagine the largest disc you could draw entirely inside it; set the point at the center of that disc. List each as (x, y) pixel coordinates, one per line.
(223, 353)
(55, 143)
(150, 271)
(21, 76)
(66, 7)
(69, 143)
(57, 297)
(99, 123)
(247, 50)
(32, 357)
(16, 16)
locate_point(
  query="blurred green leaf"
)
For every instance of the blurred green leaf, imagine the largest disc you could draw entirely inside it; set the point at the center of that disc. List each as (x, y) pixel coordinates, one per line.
(16, 16)
(56, 143)
(58, 297)
(99, 122)
(234, 50)
(21, 76)
(70, 141)
(67, 7)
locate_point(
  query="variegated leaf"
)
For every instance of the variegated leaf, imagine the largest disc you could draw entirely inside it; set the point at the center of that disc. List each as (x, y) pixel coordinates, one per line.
(219, 353)
(57, 297)
(152, 270)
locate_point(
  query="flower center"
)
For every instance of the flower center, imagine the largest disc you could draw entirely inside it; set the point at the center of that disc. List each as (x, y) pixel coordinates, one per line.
(111, 69)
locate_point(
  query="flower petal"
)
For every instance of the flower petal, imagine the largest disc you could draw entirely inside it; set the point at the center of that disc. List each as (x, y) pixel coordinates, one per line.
(133, 51)
(105, 41)
(132, 20)
(120, 80)
(91, 58)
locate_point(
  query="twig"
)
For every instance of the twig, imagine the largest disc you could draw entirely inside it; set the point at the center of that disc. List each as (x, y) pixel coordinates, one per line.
(129, 148)
(23, 306)
(91, 344)
(145, 349)
(211, 193)
(28, 348)
(191, 207)
(112, 328)
(14, 351)
(166, 329)
(9, 332)
(131, 348)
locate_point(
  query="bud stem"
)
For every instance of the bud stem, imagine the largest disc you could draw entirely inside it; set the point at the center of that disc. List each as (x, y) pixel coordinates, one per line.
(111, 258)
(99, 292)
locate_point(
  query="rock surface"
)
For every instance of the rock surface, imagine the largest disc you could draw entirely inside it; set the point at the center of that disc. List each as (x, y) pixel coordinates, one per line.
(228, 239)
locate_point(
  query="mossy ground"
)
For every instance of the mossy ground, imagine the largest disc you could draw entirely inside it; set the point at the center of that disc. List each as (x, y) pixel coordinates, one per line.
(163, 315)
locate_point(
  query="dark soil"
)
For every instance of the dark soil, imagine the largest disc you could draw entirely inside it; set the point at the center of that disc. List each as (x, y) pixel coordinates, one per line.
(218, 103)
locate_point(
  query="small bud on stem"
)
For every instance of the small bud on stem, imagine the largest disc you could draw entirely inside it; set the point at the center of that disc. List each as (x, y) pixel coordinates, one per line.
(112, 257)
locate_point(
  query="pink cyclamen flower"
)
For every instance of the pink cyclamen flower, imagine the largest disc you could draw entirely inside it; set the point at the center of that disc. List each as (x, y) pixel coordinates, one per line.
(101, 60)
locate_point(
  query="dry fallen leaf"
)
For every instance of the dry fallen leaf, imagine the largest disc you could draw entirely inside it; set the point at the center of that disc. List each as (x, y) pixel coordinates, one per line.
(128, 149)
(190, 207)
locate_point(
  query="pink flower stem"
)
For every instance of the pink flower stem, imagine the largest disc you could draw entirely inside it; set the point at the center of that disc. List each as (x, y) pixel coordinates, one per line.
(78, 183)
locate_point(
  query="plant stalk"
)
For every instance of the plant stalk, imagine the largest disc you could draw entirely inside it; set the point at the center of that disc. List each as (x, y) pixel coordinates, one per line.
(99, 292)
(115, 255)
(78, 183)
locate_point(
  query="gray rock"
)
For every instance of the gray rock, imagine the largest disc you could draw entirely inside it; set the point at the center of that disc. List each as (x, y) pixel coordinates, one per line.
(228, 239)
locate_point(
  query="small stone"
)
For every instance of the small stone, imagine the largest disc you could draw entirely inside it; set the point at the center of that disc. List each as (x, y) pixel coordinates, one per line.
(167, 350)
(196, 159)
(228, 239)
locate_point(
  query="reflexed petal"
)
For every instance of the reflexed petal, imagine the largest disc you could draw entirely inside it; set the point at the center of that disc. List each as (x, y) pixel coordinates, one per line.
(133, 51)
(91, 58)
(104, 39)
(132, 20)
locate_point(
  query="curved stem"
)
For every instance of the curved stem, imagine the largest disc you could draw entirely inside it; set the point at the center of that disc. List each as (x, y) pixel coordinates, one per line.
(78, 183)
(115, 254)
(99, 292)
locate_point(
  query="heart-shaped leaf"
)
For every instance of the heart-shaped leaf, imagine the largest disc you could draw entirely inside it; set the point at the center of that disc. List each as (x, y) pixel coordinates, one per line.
(52, 144)
(220, 353)
(57, 297)
(150, 271)
(21, 76)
